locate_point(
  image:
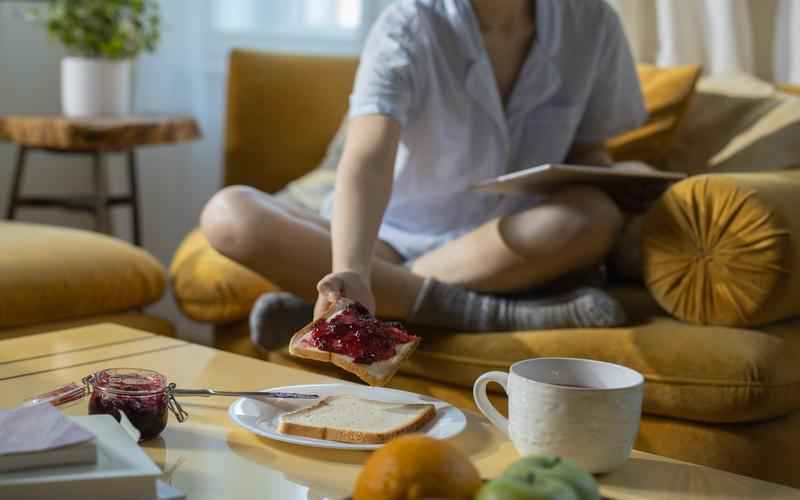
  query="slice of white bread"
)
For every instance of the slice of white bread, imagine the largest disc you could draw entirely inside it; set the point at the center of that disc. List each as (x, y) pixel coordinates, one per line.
(349, 419)
(377, 373)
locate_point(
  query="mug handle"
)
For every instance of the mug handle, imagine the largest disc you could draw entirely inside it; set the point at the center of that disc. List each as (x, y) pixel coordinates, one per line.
(482, 400)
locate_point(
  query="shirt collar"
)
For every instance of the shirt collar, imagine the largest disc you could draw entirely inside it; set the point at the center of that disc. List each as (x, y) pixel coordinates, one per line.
(539, 77)
(469, 33)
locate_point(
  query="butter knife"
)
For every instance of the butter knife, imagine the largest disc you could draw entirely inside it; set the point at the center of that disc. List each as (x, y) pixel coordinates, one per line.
(264, 394)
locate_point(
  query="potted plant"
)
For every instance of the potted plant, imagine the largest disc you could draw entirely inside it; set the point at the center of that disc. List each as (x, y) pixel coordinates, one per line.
(102, 38)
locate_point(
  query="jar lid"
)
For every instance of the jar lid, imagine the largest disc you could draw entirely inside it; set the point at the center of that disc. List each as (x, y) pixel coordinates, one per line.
(129, 381)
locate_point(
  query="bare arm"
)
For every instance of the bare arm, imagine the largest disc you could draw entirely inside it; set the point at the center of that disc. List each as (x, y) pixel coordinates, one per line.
(363, 186)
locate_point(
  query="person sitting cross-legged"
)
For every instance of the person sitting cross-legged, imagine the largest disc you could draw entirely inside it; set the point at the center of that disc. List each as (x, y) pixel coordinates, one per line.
(449, 93)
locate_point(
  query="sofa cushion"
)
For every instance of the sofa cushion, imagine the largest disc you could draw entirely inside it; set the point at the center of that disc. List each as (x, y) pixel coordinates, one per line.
(311, 190)
(667, 94)
(268, 143)
(737, 123)
(210, 287)
(704, 374)
(768, 450)
(51, 274)
(724, 250)
(707, 374)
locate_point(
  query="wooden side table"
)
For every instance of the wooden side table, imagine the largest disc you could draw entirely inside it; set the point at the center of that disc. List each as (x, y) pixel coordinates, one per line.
(97, 137)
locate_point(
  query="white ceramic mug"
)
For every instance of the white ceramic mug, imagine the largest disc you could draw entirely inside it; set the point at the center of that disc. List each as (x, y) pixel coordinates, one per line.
(580, 409)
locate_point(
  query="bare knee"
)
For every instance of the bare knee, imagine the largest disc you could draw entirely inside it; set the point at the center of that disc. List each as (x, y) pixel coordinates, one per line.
(578, 220)
(231, 222)
(593, 211)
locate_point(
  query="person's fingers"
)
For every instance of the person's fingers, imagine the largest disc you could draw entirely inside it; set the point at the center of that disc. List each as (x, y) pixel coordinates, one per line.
(321, 306)
(331, 288)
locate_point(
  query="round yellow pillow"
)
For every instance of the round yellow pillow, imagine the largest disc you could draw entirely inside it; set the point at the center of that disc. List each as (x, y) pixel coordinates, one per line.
(725, 249)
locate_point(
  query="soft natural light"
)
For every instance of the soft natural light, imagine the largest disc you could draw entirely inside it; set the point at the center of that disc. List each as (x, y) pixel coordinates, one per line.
(348, 13)
(265, 16)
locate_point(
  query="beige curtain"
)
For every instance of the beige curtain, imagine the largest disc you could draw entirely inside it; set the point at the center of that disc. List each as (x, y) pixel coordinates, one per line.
(761, 37)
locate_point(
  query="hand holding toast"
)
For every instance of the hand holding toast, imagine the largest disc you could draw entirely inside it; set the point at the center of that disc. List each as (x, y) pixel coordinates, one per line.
(349, 336)
(343, 285)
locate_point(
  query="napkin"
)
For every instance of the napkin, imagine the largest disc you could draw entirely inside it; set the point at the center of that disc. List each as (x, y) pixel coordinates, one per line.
(39, 435)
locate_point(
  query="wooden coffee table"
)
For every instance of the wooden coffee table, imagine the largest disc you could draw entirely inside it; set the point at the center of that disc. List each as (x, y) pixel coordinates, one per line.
(209, 456)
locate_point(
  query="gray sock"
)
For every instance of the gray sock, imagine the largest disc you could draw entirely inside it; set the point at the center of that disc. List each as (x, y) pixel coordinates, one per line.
(443, 305)
(275, 317)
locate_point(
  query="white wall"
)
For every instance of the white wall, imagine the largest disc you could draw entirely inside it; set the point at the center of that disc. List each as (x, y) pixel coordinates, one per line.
(29, 72)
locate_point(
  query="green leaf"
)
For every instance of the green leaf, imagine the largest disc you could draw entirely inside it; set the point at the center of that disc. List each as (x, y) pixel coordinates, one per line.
(105, 28)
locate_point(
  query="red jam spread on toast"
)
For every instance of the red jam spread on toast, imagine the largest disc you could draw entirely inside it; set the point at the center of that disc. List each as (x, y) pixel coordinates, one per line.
(356, 333)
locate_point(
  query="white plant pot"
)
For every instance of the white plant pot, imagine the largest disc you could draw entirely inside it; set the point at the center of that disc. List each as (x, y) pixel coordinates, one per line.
(92, 87)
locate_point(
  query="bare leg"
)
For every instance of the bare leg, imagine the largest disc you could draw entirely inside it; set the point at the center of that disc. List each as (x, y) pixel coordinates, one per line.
(293, 247)
(572, 231)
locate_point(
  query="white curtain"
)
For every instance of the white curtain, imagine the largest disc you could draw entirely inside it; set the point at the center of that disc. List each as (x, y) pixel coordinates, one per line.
(760, 37)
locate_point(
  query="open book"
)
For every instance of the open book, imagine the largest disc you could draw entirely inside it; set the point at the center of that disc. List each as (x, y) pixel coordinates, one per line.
(545, 178)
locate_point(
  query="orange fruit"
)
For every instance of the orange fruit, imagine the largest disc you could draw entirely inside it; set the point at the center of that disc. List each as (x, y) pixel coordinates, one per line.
(415, 466)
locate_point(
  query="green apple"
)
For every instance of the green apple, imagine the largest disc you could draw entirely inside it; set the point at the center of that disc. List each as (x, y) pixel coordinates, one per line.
(532, 487)
(555, 467)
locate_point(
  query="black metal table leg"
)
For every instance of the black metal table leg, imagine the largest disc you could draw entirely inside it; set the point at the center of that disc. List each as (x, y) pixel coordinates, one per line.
(102, 219)
(16, 183)
(134, 194)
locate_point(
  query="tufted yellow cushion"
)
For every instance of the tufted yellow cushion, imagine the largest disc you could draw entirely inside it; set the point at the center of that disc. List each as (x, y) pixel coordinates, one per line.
(49, 274)
(724, 249)
(209, 286)
(667, 94)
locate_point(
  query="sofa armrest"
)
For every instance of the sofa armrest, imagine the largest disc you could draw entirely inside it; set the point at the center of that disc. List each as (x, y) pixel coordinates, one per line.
(52, 274)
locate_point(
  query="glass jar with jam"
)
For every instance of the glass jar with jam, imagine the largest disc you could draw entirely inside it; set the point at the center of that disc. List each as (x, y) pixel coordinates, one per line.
(143, 395)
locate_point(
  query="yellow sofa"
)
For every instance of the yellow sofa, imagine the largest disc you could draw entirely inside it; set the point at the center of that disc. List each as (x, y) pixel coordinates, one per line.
(720, 396)
(53, 278)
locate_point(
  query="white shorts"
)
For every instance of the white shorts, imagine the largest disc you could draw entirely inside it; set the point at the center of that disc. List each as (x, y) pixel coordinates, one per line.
(409, 245)
(412, 245)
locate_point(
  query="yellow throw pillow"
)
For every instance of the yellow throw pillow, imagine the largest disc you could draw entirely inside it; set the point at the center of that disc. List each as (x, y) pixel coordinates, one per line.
(667, 94)
(723, 249)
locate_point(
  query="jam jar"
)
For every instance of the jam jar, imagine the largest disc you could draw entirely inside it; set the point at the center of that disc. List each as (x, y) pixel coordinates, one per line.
(143, 395)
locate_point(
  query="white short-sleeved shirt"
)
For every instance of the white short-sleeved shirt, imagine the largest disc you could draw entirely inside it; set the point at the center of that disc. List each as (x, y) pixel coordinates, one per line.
(424, 65)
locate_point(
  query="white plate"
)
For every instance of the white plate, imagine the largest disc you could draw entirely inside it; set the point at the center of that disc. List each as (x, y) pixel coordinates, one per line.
(261, 415)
